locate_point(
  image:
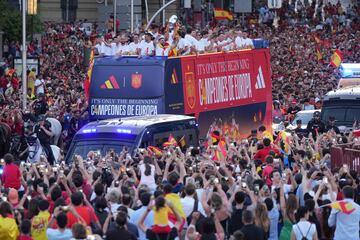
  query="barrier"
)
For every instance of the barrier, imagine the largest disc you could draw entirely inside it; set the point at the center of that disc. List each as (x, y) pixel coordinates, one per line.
(342, 154)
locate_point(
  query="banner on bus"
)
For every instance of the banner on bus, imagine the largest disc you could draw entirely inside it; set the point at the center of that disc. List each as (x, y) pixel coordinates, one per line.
(218, 81)
(105, 107)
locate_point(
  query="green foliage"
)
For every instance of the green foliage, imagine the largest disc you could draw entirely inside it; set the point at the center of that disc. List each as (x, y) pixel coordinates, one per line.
(10, 22)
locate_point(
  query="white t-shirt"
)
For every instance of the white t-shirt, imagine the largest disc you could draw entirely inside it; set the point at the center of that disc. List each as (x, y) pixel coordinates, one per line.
(133, 48)
(188, 206)
(55, 234)
(147, 48)
(106, 50)
(304, 229)
(147, 180)
(202, 44)
(162, 51)
(191, 40)
(39, 86)
(182, 44)
(240, 42)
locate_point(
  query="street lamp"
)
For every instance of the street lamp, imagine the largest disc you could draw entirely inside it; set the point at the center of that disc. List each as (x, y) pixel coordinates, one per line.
(32, 7)
(32, 10)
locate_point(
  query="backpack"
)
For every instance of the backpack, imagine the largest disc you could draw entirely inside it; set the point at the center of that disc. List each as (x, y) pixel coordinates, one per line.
(302, 235)
(201, 218)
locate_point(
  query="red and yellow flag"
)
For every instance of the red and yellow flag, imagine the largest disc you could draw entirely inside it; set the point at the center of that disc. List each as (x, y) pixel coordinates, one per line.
(156, 151)
(221, 14)
(171, 142)
(318, 54)
(182, 142)
(336, 58)
(343, 206)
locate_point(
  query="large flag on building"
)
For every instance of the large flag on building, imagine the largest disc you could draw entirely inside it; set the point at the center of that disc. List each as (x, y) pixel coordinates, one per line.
(221, 14)
(336, 58)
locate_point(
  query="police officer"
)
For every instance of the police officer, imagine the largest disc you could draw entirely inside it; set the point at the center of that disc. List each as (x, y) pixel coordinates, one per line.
(44, 134)
(300, 131)
(316, 126)
(331, 125)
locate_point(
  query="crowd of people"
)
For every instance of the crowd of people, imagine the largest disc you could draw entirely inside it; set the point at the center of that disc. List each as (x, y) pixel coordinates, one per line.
(259, 189)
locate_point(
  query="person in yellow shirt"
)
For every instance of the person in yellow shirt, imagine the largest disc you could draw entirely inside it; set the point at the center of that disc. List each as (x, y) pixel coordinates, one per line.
(40, 222)
(31, 80)
(8, 227)
(161, 216)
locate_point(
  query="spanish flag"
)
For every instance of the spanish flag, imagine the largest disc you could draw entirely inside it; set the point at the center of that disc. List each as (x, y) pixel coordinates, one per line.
(216, 138)
(171, 142)
(336, 58)
(318, 54)
(221, 152)
(182, 142)
(221, 14)
(156, 151)
(343, 206)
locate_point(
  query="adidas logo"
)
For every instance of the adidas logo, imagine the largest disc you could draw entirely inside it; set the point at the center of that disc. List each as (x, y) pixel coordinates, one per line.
(260, 82)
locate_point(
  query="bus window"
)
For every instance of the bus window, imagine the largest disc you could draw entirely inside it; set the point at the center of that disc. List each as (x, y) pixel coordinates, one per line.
(337, 113)
(353, 114)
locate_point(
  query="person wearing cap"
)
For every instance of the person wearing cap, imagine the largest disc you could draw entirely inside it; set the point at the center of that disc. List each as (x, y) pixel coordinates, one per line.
(294, 108)
(331, 125)
(162, 48)
(299, 130)
(44, 134)
(316, 126)
(147, 46)
(39, 105)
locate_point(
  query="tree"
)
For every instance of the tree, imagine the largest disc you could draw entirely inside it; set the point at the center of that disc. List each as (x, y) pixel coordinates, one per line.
(10, 22)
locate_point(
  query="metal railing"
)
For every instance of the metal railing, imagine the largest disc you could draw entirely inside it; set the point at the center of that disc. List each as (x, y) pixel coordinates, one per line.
(343, 154)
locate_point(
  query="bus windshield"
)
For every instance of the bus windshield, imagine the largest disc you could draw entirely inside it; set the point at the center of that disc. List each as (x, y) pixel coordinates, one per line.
(343, 116)
(100, 147)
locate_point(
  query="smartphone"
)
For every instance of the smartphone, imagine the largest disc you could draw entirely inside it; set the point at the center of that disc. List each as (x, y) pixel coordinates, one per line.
(243, 184)
(65, 208)
(1, 170)
(325, 180)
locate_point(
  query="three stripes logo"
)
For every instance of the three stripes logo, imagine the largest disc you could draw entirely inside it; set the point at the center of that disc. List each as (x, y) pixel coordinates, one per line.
(260, 82)
(111, 83)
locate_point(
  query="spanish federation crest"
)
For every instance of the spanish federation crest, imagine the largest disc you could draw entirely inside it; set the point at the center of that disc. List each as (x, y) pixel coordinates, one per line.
(136, 80)
(190, 89)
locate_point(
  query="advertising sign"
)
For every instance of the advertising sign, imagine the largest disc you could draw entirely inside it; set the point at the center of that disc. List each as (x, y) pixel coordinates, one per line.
(101, 107)
(233, 85)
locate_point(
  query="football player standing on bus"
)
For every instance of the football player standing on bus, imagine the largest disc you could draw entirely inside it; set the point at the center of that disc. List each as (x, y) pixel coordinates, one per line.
(147, 46)
(316, 126)
(134, 45)
(162, 48)
(183, 46)
(122, 48)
